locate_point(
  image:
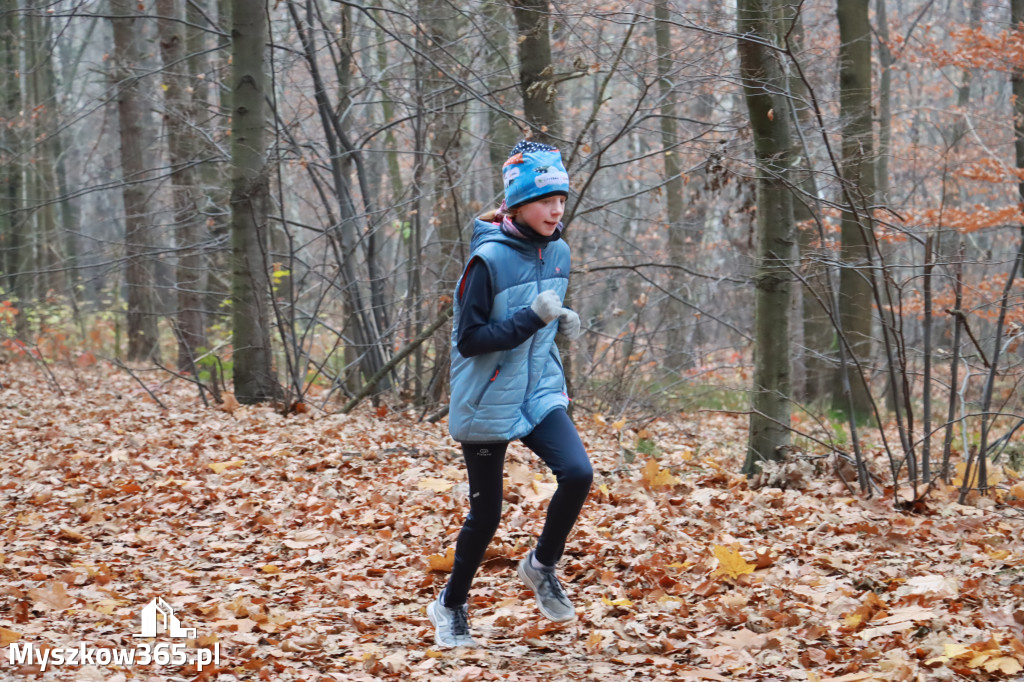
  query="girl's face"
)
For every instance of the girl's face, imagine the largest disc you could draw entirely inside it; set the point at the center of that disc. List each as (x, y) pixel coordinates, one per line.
(542, 215)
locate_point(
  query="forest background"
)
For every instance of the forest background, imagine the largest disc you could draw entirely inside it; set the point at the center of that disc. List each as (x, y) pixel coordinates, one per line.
(804, 218)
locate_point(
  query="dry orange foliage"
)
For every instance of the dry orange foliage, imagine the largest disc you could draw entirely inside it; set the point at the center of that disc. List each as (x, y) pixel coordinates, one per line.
(975, 49)
(313, 554)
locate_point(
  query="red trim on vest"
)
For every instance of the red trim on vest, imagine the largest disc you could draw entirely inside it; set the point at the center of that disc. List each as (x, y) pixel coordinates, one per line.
(462, 283)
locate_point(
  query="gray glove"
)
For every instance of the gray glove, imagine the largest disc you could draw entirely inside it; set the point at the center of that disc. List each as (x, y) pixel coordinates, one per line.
(569, 324)
(547, 305)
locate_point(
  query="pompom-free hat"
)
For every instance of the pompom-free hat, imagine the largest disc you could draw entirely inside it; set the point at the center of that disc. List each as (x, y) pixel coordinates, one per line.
(533, 171)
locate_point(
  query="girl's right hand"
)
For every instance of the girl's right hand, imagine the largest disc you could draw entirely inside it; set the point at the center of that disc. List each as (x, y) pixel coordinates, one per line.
(547, 305)
(569, 324)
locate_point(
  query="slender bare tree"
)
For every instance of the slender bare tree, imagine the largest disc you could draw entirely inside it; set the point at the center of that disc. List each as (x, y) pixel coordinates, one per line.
(255, 377)
(13, 240)
(765, 91)
(143, 341)
(179, 118)
(536, 70)
(855, 292)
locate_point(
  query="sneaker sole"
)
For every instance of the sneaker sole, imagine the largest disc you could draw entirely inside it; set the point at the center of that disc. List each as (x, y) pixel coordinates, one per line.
(521, 571)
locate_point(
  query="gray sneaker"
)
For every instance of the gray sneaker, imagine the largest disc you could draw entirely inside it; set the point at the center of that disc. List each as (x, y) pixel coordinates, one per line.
(547, 591)
(451, 626)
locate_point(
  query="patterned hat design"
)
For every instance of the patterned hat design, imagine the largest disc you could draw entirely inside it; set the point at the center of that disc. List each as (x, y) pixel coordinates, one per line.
(533, 171)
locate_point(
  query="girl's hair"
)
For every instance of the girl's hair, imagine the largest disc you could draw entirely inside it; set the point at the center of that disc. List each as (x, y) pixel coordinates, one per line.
(496, 215)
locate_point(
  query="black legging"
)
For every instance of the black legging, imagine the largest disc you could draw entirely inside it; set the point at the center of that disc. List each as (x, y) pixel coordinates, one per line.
(556, 442)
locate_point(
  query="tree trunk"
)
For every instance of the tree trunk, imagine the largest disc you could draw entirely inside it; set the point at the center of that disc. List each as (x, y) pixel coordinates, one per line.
(43, 151)
(213, 117)
(179, 116)
(815, 354)
(764, 87)
(390, 142)
(142, 320)
(1017, 82)
(12, 217)
(885, 63)
(502, 133)
(855, 293)
(69, 222)
(440, 22)
(254, 376)
(673, 188)
(536, 72)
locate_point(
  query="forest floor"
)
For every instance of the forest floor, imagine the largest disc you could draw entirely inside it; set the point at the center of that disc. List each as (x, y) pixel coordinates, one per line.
(307, 547)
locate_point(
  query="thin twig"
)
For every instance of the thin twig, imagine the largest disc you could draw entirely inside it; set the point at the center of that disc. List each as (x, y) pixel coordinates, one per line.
(133, 375)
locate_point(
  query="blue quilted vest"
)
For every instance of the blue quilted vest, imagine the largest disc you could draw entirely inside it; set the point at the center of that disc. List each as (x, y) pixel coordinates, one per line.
(502, 396)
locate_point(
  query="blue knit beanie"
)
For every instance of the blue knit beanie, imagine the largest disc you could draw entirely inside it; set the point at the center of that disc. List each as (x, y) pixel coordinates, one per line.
(533, 171)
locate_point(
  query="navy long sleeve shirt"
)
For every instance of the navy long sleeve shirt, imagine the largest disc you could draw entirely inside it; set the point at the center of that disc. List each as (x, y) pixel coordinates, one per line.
(477, 334)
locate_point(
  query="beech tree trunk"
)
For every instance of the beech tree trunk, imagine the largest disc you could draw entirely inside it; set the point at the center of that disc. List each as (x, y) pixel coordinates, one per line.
(673, 189)
(764, 89)
(815, 353)
(440, 21)
(142, 319)
(536, 71)
(178, 117)
(12, 220)
(855, 295)
(255, 378)
(502, 133)
(43, 151)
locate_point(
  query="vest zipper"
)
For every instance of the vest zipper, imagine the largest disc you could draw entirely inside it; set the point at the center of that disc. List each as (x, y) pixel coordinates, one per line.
(490, 381)
(533, 339)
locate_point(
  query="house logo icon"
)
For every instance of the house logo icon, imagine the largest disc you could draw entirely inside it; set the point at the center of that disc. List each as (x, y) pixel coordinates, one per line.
(159, 612)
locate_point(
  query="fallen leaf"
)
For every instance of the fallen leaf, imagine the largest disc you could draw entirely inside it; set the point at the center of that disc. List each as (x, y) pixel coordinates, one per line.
(995, 476)
(470, 673)
(941, 586)
(1004, 664)
(305, 538)
(221, 467)
(52, 597)
(442, 563)
(519, 474)
(978, 660)
(396, 663)
(438, 485)
(538, 491)
(229, 403)
(742, 639)
(617, 602)
(763, 558)
(8, 636)
(951, 650)
(871, 633)
(730, 563)
(72, 535)
(656, 477)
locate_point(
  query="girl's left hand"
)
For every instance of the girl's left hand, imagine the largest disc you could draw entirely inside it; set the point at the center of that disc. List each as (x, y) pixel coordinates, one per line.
(569, 324)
